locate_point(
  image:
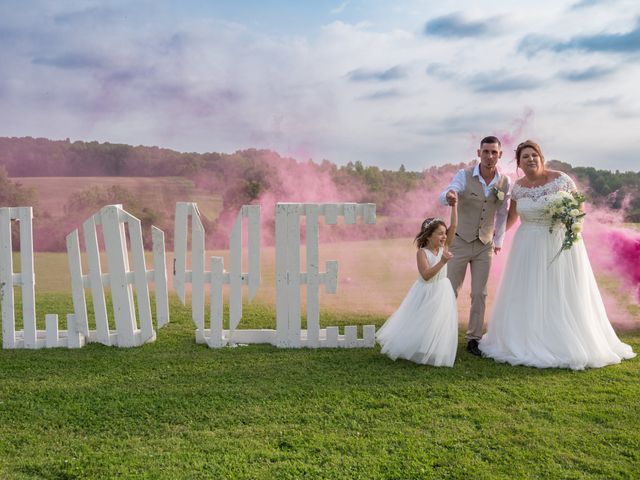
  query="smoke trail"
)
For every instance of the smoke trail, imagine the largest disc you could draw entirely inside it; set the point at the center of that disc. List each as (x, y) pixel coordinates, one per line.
(625, 249)
(512, 138)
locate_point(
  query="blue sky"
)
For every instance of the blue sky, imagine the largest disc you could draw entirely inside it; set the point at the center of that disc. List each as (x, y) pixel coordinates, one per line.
(384, 82)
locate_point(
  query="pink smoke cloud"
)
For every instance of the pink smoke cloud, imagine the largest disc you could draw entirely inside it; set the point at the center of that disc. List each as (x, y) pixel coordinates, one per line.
(625, 249)
(512, 138)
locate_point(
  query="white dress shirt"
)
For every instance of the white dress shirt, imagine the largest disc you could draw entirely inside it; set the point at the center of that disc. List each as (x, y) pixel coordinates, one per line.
(459, 183)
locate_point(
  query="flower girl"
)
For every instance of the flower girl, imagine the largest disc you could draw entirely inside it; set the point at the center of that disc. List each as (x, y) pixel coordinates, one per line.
(424, 329)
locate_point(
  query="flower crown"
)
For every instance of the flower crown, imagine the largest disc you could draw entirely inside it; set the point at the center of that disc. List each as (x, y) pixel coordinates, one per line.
(428, 223)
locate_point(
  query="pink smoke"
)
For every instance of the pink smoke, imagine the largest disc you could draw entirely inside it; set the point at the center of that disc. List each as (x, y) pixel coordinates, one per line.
(511, 138)
(303, 183)
(600, 225)
(291, 181)
(625, 247)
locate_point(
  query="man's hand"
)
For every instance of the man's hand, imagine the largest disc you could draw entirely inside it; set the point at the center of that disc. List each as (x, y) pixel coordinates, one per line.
(451, 197)
(496, 250)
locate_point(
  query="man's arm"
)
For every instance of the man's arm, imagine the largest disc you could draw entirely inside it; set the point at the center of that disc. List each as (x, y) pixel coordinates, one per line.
(458, 184)
(501, 220)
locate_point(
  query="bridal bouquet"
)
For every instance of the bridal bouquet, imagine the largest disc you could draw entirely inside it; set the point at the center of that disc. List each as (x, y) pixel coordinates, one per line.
(565, 209)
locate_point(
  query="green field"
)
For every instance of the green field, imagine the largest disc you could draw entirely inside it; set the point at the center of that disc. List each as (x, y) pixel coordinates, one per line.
(174, 409)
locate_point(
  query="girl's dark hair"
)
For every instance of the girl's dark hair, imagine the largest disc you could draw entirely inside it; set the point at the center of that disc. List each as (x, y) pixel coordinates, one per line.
(428, 227)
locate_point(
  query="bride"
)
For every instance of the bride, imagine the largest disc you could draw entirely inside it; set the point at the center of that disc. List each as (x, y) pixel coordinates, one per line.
(548, 311)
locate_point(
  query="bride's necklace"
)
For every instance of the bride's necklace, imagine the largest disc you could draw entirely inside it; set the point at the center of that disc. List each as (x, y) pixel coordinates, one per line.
(538, 182)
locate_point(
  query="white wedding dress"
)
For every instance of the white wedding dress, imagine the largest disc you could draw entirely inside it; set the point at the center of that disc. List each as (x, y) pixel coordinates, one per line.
(424, 329)
(549, 313)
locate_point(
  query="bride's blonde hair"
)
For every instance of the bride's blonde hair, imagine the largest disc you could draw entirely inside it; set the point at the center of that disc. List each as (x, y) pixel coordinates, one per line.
(528, 144)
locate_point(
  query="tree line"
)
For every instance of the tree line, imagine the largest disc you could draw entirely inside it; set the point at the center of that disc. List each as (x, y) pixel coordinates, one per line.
(243, 177)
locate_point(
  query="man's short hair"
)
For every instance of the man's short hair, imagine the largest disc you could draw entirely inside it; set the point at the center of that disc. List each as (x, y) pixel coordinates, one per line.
(490, 139)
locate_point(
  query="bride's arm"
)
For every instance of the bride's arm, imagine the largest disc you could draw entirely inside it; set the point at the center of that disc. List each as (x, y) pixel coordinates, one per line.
(453, 225)
(512, 215)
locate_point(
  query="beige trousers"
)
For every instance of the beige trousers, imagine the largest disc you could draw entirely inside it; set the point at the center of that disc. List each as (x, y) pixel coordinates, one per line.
(478, 256)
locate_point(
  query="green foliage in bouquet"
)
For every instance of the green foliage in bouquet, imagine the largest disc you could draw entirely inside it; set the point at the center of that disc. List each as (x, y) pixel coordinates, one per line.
(566, 210)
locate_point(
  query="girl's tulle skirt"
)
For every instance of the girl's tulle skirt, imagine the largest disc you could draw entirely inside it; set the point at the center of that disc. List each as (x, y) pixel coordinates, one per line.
(424, 329)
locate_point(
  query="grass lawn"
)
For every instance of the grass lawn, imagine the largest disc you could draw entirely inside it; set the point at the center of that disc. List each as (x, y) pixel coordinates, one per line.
(174, 409)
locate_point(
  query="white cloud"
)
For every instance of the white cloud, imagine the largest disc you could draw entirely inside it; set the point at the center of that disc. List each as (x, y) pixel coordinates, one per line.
(339, 9)
(142, 75)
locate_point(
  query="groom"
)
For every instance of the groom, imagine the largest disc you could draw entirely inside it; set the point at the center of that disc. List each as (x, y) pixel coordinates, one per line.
(481, 192)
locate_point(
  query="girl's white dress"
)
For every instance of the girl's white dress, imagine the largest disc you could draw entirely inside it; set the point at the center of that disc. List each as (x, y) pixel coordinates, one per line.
(424, 329)
(549, 313)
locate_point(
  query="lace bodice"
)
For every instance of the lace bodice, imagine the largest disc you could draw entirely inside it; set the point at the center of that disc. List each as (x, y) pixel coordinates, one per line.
(532, 201)
(433, 259)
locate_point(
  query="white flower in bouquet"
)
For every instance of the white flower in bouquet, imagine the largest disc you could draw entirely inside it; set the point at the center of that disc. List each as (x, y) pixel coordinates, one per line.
(567, 195)
(565, 209)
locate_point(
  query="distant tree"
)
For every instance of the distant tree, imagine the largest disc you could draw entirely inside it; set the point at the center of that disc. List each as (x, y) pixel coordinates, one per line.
(245, 175)
(13, 194)
(613, 189)
(558, 165)
(91, 200)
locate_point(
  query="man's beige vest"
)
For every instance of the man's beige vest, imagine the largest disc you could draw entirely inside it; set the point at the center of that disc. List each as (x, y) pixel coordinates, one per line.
(476, 213)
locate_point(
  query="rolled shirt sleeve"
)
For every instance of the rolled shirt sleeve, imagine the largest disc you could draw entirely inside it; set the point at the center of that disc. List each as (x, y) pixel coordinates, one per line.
(458, 184)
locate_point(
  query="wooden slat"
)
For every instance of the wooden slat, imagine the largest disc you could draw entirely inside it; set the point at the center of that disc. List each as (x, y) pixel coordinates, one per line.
(122, 218)
(197, 268)
(254, 249)
(369, 335)
(75, 339)
(51, 326)
(312, 277)
(350, 336)
(140, 276)
(282, 304)
(293, 270)
(96, 281)
(330, 213)
(160, 277)
(331, 276)
(332, 337)
(215, 333)
(122, 300)
(25, 216)
(235, 273)
(349, 213)
(6, 280)
(77, 284)
(369, 213)
(180, 249)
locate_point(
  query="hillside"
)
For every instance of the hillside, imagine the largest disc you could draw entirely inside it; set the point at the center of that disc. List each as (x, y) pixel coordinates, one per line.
(69, 180)
(55, 193)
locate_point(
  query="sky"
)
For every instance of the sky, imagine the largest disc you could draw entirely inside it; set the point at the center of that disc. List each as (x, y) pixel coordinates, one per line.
(388, 83)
